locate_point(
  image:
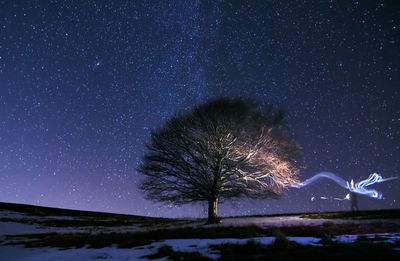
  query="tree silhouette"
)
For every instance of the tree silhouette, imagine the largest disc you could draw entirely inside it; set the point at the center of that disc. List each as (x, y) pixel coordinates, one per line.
(220, 150)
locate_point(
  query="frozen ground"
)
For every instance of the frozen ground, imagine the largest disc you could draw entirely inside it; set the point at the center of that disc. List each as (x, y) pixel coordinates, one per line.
(19, 223)
(19, 253)
(279, 221)
(294, 220)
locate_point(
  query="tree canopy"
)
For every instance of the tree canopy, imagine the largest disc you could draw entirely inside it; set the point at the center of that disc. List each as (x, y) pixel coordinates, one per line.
(222, 149)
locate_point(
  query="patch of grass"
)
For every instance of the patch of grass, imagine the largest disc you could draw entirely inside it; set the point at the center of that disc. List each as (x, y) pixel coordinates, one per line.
(355, 251)
(367, 214)
(188, 256)
(81, 218)
(48, 211)
(250, 251)
(205, 232)
(103, 223)
(281, 240)
(131, 239)
(98, 222)
(78, 240)
(163, 251)
(167, 251)
(73, 222)
(331, 229)
(326, 240)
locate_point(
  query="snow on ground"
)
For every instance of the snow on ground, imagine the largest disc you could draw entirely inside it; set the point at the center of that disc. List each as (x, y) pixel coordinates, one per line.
(380, 238)
(282, 221)
(16, 228)
(202, 245)
(14, 253)
(271, 221)
(15, 223)
(20, 223)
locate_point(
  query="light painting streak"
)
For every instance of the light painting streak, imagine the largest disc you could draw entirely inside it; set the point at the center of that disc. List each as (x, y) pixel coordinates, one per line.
(359, 187)
(345, 198)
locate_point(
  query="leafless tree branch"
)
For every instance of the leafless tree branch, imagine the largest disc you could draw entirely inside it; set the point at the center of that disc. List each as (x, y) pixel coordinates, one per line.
(222, 149)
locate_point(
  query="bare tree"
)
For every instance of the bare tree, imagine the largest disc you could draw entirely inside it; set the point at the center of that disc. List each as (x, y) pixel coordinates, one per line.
(220, 150)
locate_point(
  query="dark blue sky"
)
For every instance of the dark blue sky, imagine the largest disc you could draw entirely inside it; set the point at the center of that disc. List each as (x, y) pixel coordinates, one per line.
(82, 84)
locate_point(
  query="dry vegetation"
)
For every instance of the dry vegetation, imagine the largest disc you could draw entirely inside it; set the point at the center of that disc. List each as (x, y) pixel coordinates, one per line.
(385, 221)
(369, 214)
(132, 239)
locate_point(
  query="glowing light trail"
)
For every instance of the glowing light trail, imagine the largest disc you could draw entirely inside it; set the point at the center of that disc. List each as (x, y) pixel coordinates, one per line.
(347, 197)
(359, 187)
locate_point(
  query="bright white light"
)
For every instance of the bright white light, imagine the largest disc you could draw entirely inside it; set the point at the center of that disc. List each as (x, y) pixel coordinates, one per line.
(359, 187)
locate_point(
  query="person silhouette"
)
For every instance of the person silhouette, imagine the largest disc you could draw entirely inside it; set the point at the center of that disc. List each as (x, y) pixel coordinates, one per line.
(354, 202)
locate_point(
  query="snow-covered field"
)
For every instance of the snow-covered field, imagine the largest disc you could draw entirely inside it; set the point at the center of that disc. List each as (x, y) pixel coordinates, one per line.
(17, 253)
(19, 223)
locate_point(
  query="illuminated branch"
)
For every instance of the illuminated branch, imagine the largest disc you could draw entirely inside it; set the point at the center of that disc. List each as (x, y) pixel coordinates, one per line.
(220, 150)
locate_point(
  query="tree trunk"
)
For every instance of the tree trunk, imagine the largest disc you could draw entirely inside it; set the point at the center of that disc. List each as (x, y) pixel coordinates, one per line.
(212, 211)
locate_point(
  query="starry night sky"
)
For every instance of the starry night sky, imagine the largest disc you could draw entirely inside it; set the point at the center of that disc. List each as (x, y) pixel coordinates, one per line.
(82, 84)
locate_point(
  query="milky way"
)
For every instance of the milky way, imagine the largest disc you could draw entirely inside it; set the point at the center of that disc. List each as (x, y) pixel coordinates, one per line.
(82, 84)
